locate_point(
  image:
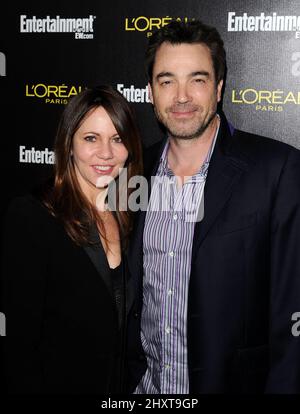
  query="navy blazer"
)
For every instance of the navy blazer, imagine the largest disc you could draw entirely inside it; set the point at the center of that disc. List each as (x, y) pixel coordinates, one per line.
(62, 335)
(245, 272)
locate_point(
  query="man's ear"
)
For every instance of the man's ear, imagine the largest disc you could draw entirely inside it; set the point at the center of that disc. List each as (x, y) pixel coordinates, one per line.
(219, 90)
(150, 92)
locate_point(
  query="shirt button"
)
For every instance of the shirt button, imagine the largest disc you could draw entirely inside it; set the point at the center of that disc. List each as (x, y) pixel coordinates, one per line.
(168, 330)
(175, 217)
(171, 254)
(170, 292)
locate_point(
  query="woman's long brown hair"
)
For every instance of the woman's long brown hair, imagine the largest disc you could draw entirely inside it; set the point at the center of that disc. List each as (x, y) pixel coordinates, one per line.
(65, 200)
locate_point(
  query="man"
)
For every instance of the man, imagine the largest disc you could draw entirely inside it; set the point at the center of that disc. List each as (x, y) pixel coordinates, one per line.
(216, 295)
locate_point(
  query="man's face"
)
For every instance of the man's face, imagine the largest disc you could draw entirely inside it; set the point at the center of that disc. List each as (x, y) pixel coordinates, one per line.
(184, 91)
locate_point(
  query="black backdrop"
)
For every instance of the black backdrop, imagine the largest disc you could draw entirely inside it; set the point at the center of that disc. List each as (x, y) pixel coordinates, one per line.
(41, 70)
(41, 66)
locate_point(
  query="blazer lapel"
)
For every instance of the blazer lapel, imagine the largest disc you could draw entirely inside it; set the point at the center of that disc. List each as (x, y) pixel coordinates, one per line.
(225, 170)
(98, 258)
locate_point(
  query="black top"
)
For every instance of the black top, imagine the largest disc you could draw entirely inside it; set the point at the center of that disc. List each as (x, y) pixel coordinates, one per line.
(118, 283)
(118, 288)
(63, 324)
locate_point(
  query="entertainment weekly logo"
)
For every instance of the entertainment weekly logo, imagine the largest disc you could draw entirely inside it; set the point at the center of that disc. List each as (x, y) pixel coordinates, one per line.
(34, 156)
(133, 94)
(82, 27)
(263, 23)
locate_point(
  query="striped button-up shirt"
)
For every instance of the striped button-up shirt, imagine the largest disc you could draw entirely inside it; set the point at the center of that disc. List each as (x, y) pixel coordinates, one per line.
(167, 249)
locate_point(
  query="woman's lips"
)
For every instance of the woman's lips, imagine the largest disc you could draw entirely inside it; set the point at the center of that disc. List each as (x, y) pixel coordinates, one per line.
(103, 169)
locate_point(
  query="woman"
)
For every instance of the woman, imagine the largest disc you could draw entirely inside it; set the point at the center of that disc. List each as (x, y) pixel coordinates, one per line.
(63, 265)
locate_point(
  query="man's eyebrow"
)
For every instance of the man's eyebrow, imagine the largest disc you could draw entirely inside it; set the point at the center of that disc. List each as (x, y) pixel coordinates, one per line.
(163, 74)
(200, 73)
(170, 74)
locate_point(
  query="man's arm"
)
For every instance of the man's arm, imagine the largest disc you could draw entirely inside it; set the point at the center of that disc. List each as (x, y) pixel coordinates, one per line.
(284, 375)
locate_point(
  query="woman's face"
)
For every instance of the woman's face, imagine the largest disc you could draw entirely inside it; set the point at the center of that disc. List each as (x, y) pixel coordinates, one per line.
(98, 152)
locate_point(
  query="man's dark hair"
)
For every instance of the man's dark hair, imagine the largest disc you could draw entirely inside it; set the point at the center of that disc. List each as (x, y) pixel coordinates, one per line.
(178, 32)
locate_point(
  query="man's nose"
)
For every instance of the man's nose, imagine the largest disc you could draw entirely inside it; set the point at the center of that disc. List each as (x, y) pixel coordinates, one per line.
(182, 95)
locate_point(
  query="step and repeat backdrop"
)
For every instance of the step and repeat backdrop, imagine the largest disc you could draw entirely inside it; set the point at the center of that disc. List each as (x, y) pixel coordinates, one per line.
(51, 50)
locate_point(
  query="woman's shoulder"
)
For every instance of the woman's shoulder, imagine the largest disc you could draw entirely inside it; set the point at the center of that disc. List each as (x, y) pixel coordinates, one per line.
(28, 211)
(28, 206)
(26, 203)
